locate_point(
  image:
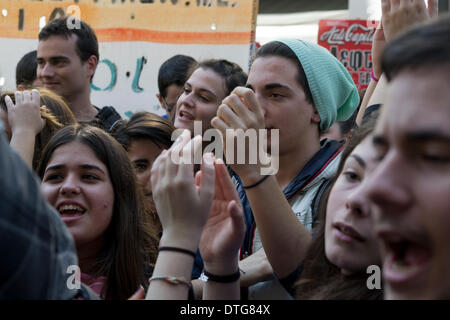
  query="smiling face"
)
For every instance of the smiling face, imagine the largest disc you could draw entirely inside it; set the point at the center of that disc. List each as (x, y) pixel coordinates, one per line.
(410, 188)
(284, 102)
(202, 94)
(60, 68)
(350, 242)
(142, 153)
(78, 185)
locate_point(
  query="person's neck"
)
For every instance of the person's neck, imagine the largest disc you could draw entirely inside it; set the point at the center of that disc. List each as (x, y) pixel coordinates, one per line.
(87, 254)
(82, 107)
(291, 163)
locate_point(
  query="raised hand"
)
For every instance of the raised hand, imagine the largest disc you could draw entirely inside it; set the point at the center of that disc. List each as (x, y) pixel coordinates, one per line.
(183, 207)
(224, 230)
(25, 114)
(378, 44)
(399, 15)
(240, 110)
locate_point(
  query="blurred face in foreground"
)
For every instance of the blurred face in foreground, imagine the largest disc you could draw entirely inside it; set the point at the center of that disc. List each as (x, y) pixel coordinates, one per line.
(410, 188)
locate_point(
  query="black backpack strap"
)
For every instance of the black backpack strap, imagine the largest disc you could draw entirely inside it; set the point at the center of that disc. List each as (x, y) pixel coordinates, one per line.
(316, 201)
(108, 117)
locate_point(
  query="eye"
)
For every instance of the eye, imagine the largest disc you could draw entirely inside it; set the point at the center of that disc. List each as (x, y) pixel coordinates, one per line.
(274, 95)
(89, 177)
(204, 99)
(436, 158)
(54, 177)
(140, 167)
(351, 176)
(186, 90)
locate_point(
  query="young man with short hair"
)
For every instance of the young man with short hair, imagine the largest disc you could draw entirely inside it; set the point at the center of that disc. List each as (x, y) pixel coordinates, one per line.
(67, 59)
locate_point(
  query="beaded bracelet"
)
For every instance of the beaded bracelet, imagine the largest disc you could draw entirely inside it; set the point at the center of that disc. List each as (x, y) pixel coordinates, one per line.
(171, 280)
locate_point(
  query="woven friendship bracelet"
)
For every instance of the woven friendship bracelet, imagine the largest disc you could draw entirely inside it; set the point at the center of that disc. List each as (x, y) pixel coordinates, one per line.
(171, 280)
(189, 252)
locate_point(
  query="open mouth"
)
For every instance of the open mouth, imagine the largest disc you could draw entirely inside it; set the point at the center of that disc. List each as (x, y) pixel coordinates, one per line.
(185, 116)
(70, 212)
(404, 261)
(347, 233)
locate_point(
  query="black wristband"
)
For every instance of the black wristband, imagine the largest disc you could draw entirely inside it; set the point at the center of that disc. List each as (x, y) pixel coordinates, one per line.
(189, 252)
(257, 183)
(206, 276)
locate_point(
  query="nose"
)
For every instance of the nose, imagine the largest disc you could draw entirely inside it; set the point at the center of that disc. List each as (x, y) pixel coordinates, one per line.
(387, 187)
(45, 71)
(358, 203)
(70, 186)
(262, 104)
(186, 99)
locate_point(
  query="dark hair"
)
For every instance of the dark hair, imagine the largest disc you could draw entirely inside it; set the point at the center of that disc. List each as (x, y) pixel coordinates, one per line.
(26, 69)
(424, 46)
(278, 49)
(232, 73)
(57, 116)
(144, 125)
(349, 124)
(174, 71)
(87, 43)
(320, 279)
(130, 245)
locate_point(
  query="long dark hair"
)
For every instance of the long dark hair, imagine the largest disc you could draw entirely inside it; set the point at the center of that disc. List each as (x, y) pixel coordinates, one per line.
(320, 279)
(130, 244)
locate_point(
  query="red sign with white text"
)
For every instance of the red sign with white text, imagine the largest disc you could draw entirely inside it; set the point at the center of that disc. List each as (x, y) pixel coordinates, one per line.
(350, 41)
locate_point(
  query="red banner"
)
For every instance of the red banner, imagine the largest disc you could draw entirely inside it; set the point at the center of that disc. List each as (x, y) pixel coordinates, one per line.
(350, 41)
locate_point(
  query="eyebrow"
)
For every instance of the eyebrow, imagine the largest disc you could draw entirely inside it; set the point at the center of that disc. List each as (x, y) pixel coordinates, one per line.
(427, 135)
(270, 86)
(203, 90)
(53, 58)
(140, 160)
(379, 140)
(361, 162)
(83, 166)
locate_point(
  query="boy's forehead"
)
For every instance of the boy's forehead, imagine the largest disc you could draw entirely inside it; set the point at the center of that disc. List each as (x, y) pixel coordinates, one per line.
(415, 101)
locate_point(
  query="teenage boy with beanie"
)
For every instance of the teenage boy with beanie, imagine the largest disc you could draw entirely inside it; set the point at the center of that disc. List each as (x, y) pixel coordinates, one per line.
(300, 89)
(67, 59)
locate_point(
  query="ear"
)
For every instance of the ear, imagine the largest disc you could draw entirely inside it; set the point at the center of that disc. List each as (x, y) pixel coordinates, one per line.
(91, 65)
(315, 117)
(161, 102)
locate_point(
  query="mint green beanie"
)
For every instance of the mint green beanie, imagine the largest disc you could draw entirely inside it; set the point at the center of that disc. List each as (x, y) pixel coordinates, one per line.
(334, 93)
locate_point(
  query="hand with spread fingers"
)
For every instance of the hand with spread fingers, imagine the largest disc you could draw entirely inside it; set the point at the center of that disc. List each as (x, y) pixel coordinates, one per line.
(240, 110)
(224, 231)
(183, 207)
(25, 113)
(25, 121)
(400, 15)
